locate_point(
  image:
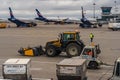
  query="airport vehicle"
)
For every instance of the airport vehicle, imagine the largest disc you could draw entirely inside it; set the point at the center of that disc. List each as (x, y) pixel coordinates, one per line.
(92, 57)
(86, 23)
(68, 42)
(71, 69)
(17, 69)
(3, 25)
(55, 21)
(31, 51)
(114, 25)
(20, 23)
(116, 70)
(90, 53)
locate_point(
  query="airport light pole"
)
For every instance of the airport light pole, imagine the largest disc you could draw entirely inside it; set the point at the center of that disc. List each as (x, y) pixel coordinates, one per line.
(115, 5)
(94, 10)
(115, 8)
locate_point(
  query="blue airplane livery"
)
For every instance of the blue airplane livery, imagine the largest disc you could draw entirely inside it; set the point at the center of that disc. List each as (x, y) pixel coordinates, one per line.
(85, 22)
(20, 23)
(55, 21)
(40, 17)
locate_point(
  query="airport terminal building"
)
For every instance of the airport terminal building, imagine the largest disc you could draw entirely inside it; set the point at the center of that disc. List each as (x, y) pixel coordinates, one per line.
(107, 15)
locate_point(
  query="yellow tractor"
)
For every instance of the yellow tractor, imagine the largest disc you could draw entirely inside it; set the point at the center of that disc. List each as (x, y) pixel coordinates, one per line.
(68, 42)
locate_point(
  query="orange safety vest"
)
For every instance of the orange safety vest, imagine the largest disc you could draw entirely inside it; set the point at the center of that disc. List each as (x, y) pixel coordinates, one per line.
(90, 53)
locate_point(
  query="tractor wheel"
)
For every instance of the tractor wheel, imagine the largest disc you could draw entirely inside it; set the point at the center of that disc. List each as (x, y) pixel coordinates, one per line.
(73, 49)
(93, 65)
(50, 51)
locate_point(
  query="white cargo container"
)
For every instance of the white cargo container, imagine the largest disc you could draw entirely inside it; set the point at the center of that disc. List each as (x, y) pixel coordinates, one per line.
(17, 69)
(71, 69)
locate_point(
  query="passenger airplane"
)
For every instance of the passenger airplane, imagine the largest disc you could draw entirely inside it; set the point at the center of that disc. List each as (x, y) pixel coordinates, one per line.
(20, 23)
(85, 23)
(89, 23)
(42, 18)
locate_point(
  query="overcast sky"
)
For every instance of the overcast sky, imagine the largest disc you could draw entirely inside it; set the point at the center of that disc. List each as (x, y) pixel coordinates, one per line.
(54, 8)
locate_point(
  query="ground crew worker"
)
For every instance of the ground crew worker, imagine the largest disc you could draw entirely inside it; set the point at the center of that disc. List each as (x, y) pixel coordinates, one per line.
(91, 37)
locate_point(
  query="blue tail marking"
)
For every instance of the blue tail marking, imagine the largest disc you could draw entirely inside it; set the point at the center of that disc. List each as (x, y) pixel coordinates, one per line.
(11, 13)
(38, 13)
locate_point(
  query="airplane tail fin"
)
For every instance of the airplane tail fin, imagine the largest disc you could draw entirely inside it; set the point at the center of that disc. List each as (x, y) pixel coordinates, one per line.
(11, 13)
(82, 13)
(38, 13)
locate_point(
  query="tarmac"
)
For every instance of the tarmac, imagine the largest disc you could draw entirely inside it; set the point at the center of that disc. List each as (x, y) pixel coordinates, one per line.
(11, 39)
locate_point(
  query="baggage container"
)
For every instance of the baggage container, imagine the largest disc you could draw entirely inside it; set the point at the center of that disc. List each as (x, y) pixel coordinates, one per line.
(71, 69)
(17, 69)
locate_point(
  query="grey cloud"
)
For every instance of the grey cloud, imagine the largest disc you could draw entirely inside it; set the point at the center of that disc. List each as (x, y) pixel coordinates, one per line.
(53, 8)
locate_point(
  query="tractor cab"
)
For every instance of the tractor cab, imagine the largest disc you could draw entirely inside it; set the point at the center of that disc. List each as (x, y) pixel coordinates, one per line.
(69, 37)
(66, 36)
